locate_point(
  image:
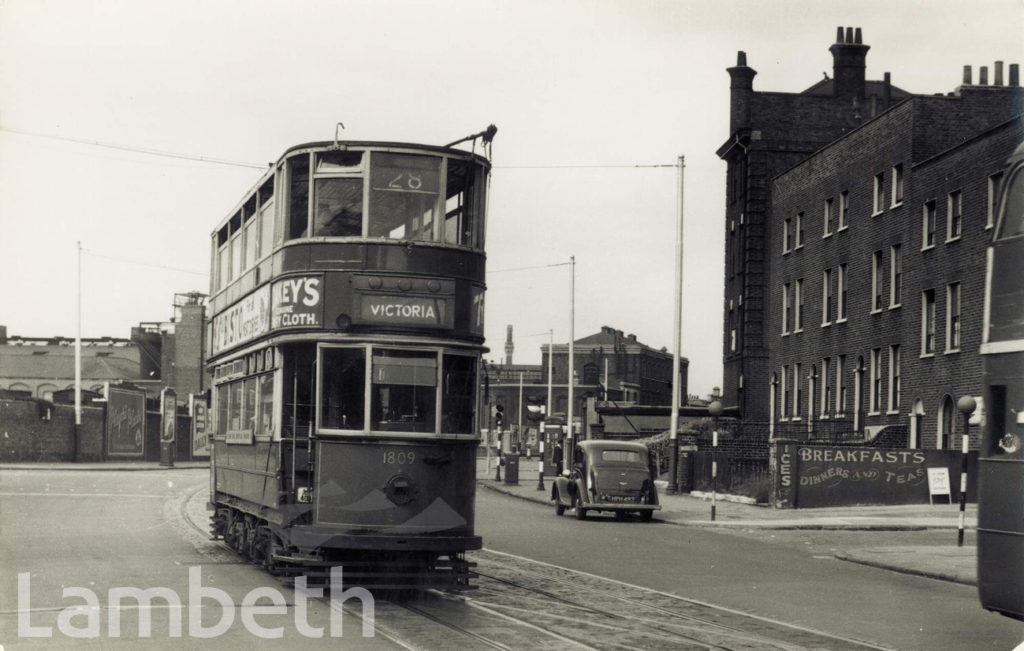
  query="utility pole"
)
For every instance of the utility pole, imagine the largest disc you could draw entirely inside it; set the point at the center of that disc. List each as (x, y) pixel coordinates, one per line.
(673, 455)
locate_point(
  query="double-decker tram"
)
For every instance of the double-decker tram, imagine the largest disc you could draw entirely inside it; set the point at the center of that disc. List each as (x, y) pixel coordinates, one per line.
(1001, 458)
(344, 337)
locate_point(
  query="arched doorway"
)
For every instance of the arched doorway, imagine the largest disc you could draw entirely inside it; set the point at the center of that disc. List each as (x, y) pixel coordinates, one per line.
(947, 418)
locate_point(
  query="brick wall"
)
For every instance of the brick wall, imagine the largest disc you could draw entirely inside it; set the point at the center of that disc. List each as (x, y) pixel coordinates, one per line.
(28, 436)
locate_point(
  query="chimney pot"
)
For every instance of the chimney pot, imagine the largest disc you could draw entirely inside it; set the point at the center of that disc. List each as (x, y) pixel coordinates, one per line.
(983, 76)
(839, 34)
(1014, 75)
(967, 75)
(741, 59)
(998, 81)
(857, 36)
(849, 35)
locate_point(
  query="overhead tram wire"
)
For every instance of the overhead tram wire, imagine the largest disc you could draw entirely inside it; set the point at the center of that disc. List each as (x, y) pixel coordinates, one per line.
(94, 254)
(223, 161)
(135, 149)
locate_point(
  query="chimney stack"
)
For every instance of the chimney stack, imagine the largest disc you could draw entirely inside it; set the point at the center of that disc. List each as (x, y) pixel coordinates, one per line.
(741, 86)
(848, 63)
(509, 346)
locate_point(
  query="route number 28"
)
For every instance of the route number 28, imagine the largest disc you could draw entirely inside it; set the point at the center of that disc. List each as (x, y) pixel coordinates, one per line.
(402, 458)
(406, 181)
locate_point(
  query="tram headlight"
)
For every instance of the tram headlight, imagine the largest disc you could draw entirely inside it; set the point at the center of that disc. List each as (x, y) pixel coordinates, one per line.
(304, 495)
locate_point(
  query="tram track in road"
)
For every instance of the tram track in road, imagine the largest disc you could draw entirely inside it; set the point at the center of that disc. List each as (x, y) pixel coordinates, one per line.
(649, 618)
(521, 603)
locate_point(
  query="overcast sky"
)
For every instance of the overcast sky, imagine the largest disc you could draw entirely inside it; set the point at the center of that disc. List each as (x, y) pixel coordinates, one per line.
(589, 97)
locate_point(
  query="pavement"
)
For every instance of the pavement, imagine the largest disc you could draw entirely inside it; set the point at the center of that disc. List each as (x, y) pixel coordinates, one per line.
(943, 562)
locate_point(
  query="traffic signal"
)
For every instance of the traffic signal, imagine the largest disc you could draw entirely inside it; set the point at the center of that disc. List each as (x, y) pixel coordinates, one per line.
(536, 410)
(499, 416)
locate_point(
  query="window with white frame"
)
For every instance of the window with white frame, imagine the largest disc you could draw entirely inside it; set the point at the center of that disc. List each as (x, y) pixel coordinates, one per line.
(787, 234)
(928, 322)
(826, 386)
(798, 391)
(878, 200)
(799, 228)
(787, 308)
(841, 384)
(928, 225)
(844, 209)
(841, 293)
(826, 297)
(954, 219)
(897, 185)
(786, 395)
(953, 317)
(828, 216)
(994, 183)
(876, 380)
(798, 316)
(894, 378)
(895, 276)
(876, 281)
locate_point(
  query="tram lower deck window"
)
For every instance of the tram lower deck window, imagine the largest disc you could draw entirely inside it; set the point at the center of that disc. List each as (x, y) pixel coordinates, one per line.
(343, 377)
(404, 391)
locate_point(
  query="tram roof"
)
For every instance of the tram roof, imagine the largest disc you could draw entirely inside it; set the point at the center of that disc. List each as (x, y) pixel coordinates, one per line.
(373, 144)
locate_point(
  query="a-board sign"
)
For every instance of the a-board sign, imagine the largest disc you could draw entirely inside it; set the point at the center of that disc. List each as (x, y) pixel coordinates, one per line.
(938, 483)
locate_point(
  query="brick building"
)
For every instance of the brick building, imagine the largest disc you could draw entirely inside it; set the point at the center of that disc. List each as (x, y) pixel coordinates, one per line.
(769, 132)
(868, 259)
(157, 355)
(876, 309)
(608, 364)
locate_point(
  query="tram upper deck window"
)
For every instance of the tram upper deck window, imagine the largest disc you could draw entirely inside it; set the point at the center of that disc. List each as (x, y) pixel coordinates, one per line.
(1012, 222)
(404, 193)
(298, 196)
(404, 391)
(463, 199)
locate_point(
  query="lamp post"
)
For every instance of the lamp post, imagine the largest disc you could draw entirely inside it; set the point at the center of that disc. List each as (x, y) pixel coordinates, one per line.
(966, 405)
(715, 409)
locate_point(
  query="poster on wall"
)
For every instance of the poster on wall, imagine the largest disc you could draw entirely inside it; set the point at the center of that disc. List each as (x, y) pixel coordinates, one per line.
(126, 423)
(200, 436)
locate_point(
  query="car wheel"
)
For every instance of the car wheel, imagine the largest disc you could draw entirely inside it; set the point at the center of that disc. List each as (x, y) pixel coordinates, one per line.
(559, 507)
(646, 515)
(581, 513)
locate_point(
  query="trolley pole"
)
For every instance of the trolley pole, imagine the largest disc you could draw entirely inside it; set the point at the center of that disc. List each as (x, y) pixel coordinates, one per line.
(966, 405)
(540, 464)
(715, 409)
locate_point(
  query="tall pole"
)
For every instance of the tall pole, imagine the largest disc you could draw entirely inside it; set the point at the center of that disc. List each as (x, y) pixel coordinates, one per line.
(966, 405)
(673, 486)
(572, 337)
(78, 352)
(519, 417)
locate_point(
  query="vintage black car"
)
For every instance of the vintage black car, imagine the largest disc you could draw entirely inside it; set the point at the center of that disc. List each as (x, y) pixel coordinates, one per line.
(614, 476)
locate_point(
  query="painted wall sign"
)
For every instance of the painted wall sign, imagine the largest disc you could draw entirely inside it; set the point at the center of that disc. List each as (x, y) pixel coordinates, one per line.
(245, 320)
(126, 423)
(477, 318)
(297, 303)
(406, 310)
